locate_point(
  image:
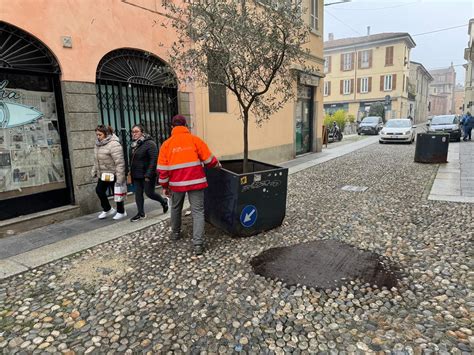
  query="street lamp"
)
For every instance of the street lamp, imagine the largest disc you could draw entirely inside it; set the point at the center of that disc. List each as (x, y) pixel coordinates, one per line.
(339, 2)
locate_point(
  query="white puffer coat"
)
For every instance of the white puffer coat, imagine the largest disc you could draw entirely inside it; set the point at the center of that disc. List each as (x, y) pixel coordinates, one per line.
(108, 158)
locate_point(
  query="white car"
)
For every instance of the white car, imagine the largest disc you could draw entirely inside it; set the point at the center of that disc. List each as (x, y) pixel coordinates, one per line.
(398, 130)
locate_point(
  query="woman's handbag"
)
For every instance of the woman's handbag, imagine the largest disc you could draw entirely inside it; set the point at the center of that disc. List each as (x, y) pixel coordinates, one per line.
(107, 177)
(120, 192)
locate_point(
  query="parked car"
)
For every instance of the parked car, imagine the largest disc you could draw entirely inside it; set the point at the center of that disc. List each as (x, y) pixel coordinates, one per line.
(370, 125)
(448, 124)
(398, 130)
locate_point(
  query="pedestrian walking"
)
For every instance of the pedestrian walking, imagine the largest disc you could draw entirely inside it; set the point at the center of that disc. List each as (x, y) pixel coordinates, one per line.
(468, 124)
(180, 166)
(109, 169)
(143, 157)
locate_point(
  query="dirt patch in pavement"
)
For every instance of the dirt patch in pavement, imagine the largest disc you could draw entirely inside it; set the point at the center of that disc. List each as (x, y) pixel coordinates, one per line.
(97, 270)
(325, 264)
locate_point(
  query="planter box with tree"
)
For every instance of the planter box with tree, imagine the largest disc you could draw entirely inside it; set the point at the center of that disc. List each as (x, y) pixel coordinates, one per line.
(251, 48)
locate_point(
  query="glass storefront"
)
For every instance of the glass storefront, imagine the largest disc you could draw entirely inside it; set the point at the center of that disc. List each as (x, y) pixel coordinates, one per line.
(34, 160)
(31, 159)
(304, 119)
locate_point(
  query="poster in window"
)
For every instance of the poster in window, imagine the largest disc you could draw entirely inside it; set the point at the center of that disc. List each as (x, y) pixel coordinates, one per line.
(30, 146)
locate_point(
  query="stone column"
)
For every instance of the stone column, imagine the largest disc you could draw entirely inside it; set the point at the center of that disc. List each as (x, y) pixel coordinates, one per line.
(81, 116)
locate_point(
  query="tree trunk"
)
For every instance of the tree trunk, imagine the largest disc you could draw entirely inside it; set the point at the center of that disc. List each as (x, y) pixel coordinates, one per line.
(246, 140)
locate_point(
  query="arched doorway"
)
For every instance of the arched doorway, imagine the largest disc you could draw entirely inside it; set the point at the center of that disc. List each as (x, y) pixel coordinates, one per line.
(134, 87)
(34, 157)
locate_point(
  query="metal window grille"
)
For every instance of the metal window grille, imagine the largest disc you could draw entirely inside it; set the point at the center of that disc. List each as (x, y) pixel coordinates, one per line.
(135, 87)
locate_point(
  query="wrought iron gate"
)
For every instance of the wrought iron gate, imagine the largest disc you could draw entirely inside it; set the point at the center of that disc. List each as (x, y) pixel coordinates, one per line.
(134, 87)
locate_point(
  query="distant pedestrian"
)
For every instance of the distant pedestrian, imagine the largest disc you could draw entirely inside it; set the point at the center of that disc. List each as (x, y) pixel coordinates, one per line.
(468, 124)
(180, 165)
(143, 156)
(109, 168)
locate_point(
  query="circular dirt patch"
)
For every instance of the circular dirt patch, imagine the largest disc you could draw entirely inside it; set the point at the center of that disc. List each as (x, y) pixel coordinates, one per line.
(324, 264)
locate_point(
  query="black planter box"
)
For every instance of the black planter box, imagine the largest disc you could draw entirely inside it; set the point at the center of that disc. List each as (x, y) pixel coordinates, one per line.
(244, 204)
(432, 147)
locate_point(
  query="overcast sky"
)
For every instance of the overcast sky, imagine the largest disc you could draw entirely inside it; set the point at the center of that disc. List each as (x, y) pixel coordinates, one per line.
(434, 50)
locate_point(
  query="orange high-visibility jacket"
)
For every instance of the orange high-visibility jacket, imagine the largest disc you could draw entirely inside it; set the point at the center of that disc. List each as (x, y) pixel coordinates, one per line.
(181, 160)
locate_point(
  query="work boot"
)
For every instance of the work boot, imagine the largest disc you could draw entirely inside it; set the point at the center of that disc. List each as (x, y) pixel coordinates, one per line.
(198, 249)
(165, 207)
(175, 236)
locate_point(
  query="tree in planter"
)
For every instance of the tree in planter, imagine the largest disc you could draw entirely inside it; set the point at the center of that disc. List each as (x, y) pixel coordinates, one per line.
(377, 109)
(249, 47)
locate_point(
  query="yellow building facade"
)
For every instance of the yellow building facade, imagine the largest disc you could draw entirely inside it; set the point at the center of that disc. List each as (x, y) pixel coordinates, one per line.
(296, 129)
(364, 70)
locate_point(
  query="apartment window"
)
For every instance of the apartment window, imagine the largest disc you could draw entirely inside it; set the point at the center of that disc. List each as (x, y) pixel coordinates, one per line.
(347, 61)
(365, 59)
(388, 56)
(327, 88)
(327, 64)
(388, 82)
(314, 15)
(364, 85)
(347, 87)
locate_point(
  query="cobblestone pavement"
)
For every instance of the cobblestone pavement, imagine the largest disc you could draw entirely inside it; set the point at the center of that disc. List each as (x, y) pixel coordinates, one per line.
(145, 293)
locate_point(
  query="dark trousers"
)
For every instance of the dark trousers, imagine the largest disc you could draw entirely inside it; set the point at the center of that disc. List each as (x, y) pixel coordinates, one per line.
(149, 188)
(467, 133)
(101, 191)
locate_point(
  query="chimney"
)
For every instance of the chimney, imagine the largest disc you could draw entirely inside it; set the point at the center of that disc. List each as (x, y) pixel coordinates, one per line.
(331, 36)
(368, 30)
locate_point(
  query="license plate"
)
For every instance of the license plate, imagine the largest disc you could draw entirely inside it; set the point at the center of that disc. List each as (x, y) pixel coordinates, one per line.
(396, 136)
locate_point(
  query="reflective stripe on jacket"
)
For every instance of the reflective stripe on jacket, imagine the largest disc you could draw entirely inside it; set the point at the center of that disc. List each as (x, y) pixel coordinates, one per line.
(181, 160)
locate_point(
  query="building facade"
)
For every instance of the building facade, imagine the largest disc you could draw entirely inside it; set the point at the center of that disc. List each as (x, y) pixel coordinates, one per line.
(443, 85)
(459, 99)
(363, 70)
(107, 63)
(418, 90)
(294, 130)
(469, 83)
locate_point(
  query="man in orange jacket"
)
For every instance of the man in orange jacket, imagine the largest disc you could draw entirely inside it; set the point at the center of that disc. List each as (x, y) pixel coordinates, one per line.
(181, 171)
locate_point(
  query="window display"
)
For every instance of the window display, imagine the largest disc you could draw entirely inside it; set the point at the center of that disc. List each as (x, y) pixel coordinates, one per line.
(31, 158)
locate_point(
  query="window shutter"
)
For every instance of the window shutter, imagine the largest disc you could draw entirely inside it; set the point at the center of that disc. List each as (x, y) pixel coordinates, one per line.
(329, 88)
(370, 58)
(394, 81)
(359, 60)
(358, 85)
(341, 86)
(381, 82)
(329, 64)
(342, 62)
(352, 86)
(403, 83)
(352, 60)
(389, 55)
(370, 84)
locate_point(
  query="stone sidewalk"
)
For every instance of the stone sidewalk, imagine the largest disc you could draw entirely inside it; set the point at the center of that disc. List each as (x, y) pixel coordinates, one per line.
(31, 249)
(455, 180)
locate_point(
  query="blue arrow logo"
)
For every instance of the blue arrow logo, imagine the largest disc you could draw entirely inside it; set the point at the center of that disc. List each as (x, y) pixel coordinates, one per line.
(248, 216)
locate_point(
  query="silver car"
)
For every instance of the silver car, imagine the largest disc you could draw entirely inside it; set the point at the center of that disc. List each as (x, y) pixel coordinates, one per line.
(446, 124)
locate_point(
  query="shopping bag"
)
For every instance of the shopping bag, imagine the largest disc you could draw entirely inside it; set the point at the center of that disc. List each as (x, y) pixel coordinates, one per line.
(120, 192)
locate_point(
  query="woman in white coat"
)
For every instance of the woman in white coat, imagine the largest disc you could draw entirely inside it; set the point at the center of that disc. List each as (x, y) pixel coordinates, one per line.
(109, 168)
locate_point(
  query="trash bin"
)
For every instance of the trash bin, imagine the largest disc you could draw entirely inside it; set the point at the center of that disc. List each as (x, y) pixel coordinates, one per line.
(244, 204)
(432, 147)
